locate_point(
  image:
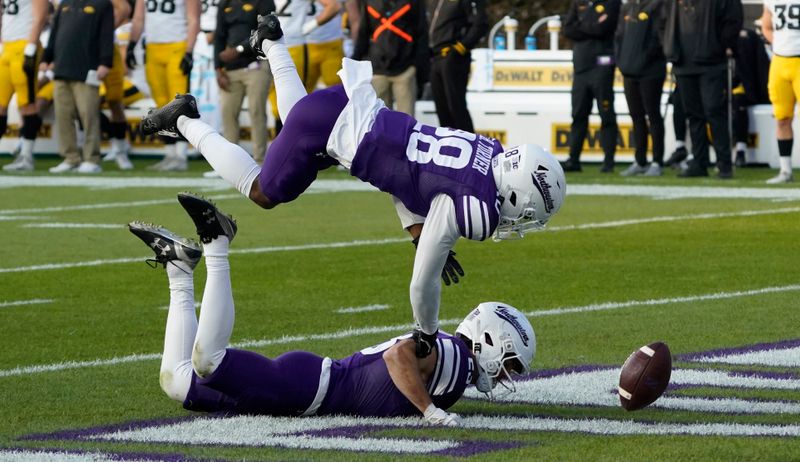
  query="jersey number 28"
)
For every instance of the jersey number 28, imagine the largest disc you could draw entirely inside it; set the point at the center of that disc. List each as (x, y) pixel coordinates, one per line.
(167, 6)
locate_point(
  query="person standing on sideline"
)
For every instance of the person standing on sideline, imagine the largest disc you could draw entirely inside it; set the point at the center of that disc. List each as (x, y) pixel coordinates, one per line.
(171, 28)
(780, 24)
(22, 23)
(641, 61)
(239, 73)
(455, 29)
(395, 52)
(80, 52)
(591, 25)
(699, 38)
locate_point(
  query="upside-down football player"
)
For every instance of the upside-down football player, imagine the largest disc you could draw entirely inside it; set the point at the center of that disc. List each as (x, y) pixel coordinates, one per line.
(200, 371)
(456, 183)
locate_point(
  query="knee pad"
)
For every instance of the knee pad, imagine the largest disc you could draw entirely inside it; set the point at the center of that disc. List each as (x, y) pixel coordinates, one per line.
(30, 126)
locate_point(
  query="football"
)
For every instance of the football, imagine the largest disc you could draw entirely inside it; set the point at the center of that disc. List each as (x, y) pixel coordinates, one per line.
(644, 376)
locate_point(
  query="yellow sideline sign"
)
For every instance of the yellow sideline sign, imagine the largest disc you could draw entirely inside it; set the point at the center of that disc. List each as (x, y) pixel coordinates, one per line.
(560, 139)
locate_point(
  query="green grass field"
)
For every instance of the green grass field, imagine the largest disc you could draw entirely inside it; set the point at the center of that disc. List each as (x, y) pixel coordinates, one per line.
(703, 265)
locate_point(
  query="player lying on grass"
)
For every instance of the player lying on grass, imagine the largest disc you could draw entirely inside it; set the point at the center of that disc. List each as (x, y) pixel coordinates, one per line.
(199, 370)
(457, 183)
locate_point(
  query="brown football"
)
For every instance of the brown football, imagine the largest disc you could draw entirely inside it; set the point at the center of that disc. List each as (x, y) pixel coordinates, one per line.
(644, 376)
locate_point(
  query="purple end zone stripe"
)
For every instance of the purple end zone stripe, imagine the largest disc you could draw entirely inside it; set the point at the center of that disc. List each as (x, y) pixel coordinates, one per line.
(785, 344)
(471, 448)
(86, 433)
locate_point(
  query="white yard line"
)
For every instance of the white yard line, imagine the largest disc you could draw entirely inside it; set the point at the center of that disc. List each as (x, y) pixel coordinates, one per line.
(359, 243)
(35, 301)
(362, 309)
(348, 333)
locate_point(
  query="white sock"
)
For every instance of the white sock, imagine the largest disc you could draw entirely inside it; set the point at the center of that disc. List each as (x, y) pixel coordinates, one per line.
(26, 148)
(786, 163)
(741, 146)
(216, 309)
(288, 86)
(182, 149)
(176, 369)
(232, 162)
(680, 144)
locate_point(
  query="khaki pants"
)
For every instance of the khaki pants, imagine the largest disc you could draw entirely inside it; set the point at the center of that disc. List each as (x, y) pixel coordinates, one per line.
(69, 97)
(399, 90)
(255, 84)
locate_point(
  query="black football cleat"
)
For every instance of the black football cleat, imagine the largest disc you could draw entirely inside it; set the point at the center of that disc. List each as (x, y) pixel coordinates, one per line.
(210, 222)
(571, 165)
(167, 246)
(164, 120)
(677, 157)
(269, 28)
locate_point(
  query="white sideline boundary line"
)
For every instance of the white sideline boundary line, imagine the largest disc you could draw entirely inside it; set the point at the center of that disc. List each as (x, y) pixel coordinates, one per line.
(75, 225)
(347, 333)
(357, 243)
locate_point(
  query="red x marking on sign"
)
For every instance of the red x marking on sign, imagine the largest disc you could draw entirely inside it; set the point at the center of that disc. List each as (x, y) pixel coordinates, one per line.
(389, 23)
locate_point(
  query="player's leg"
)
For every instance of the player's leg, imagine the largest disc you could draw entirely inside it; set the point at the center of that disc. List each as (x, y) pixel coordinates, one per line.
(332, 54)
(216, 230)
(64, 103)
(258, 83)
(6, 89)
(604, 94)
(714, 93)
(784, 92)
(87, 101)
(679, 126)
(581, 108)
(114, 95)
(179, 257)
(25, 86)
(269, 44)
(691, 99)
(155, 70)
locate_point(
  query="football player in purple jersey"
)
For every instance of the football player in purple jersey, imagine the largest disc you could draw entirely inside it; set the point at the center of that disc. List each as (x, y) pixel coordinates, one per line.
(457, 184)
(199, 370)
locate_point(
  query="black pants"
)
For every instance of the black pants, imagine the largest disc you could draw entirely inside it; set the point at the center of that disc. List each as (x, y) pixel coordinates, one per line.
(704, 97)
(644, 104)
(449, 77)
(678, 115)
(595, 84)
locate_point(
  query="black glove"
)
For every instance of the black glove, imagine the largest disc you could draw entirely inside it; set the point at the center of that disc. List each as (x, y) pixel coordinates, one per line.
(452, 268)
(187, 63)
(130, 56)
(29, 65)
(423, 343)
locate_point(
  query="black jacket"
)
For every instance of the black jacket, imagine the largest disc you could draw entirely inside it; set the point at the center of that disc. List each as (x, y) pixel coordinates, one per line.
(698, 32)
(235, 20)
(752, 67)
(638, 50)
(592, 37)
(454, 21)
(393, 49)
(81, 39)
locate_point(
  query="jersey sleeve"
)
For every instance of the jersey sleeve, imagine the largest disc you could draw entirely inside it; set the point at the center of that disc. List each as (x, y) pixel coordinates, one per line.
(453, 371)
(439, 235)
(476, 218)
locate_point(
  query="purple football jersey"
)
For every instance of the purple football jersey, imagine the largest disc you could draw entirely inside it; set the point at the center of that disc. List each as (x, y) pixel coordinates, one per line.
(361, 385)
(416, 162)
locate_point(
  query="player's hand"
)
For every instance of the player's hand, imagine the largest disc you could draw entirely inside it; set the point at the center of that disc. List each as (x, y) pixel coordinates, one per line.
(228, 54)
(29, 64)
(452, 269)
(187, 63)
(102, 72)
(222, 80)
(436, 416)
(130, 56)
(423, 343)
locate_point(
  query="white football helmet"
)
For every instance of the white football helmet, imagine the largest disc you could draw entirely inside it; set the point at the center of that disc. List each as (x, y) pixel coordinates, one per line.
(503, 343)
(532, 187)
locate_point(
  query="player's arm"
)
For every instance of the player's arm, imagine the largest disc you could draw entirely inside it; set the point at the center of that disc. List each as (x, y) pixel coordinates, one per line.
(409, 375)
(137, 22)
(766, 24)
(438, 237)
(192, 23)
(330, 8)
(122, 12)
(39, 8)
